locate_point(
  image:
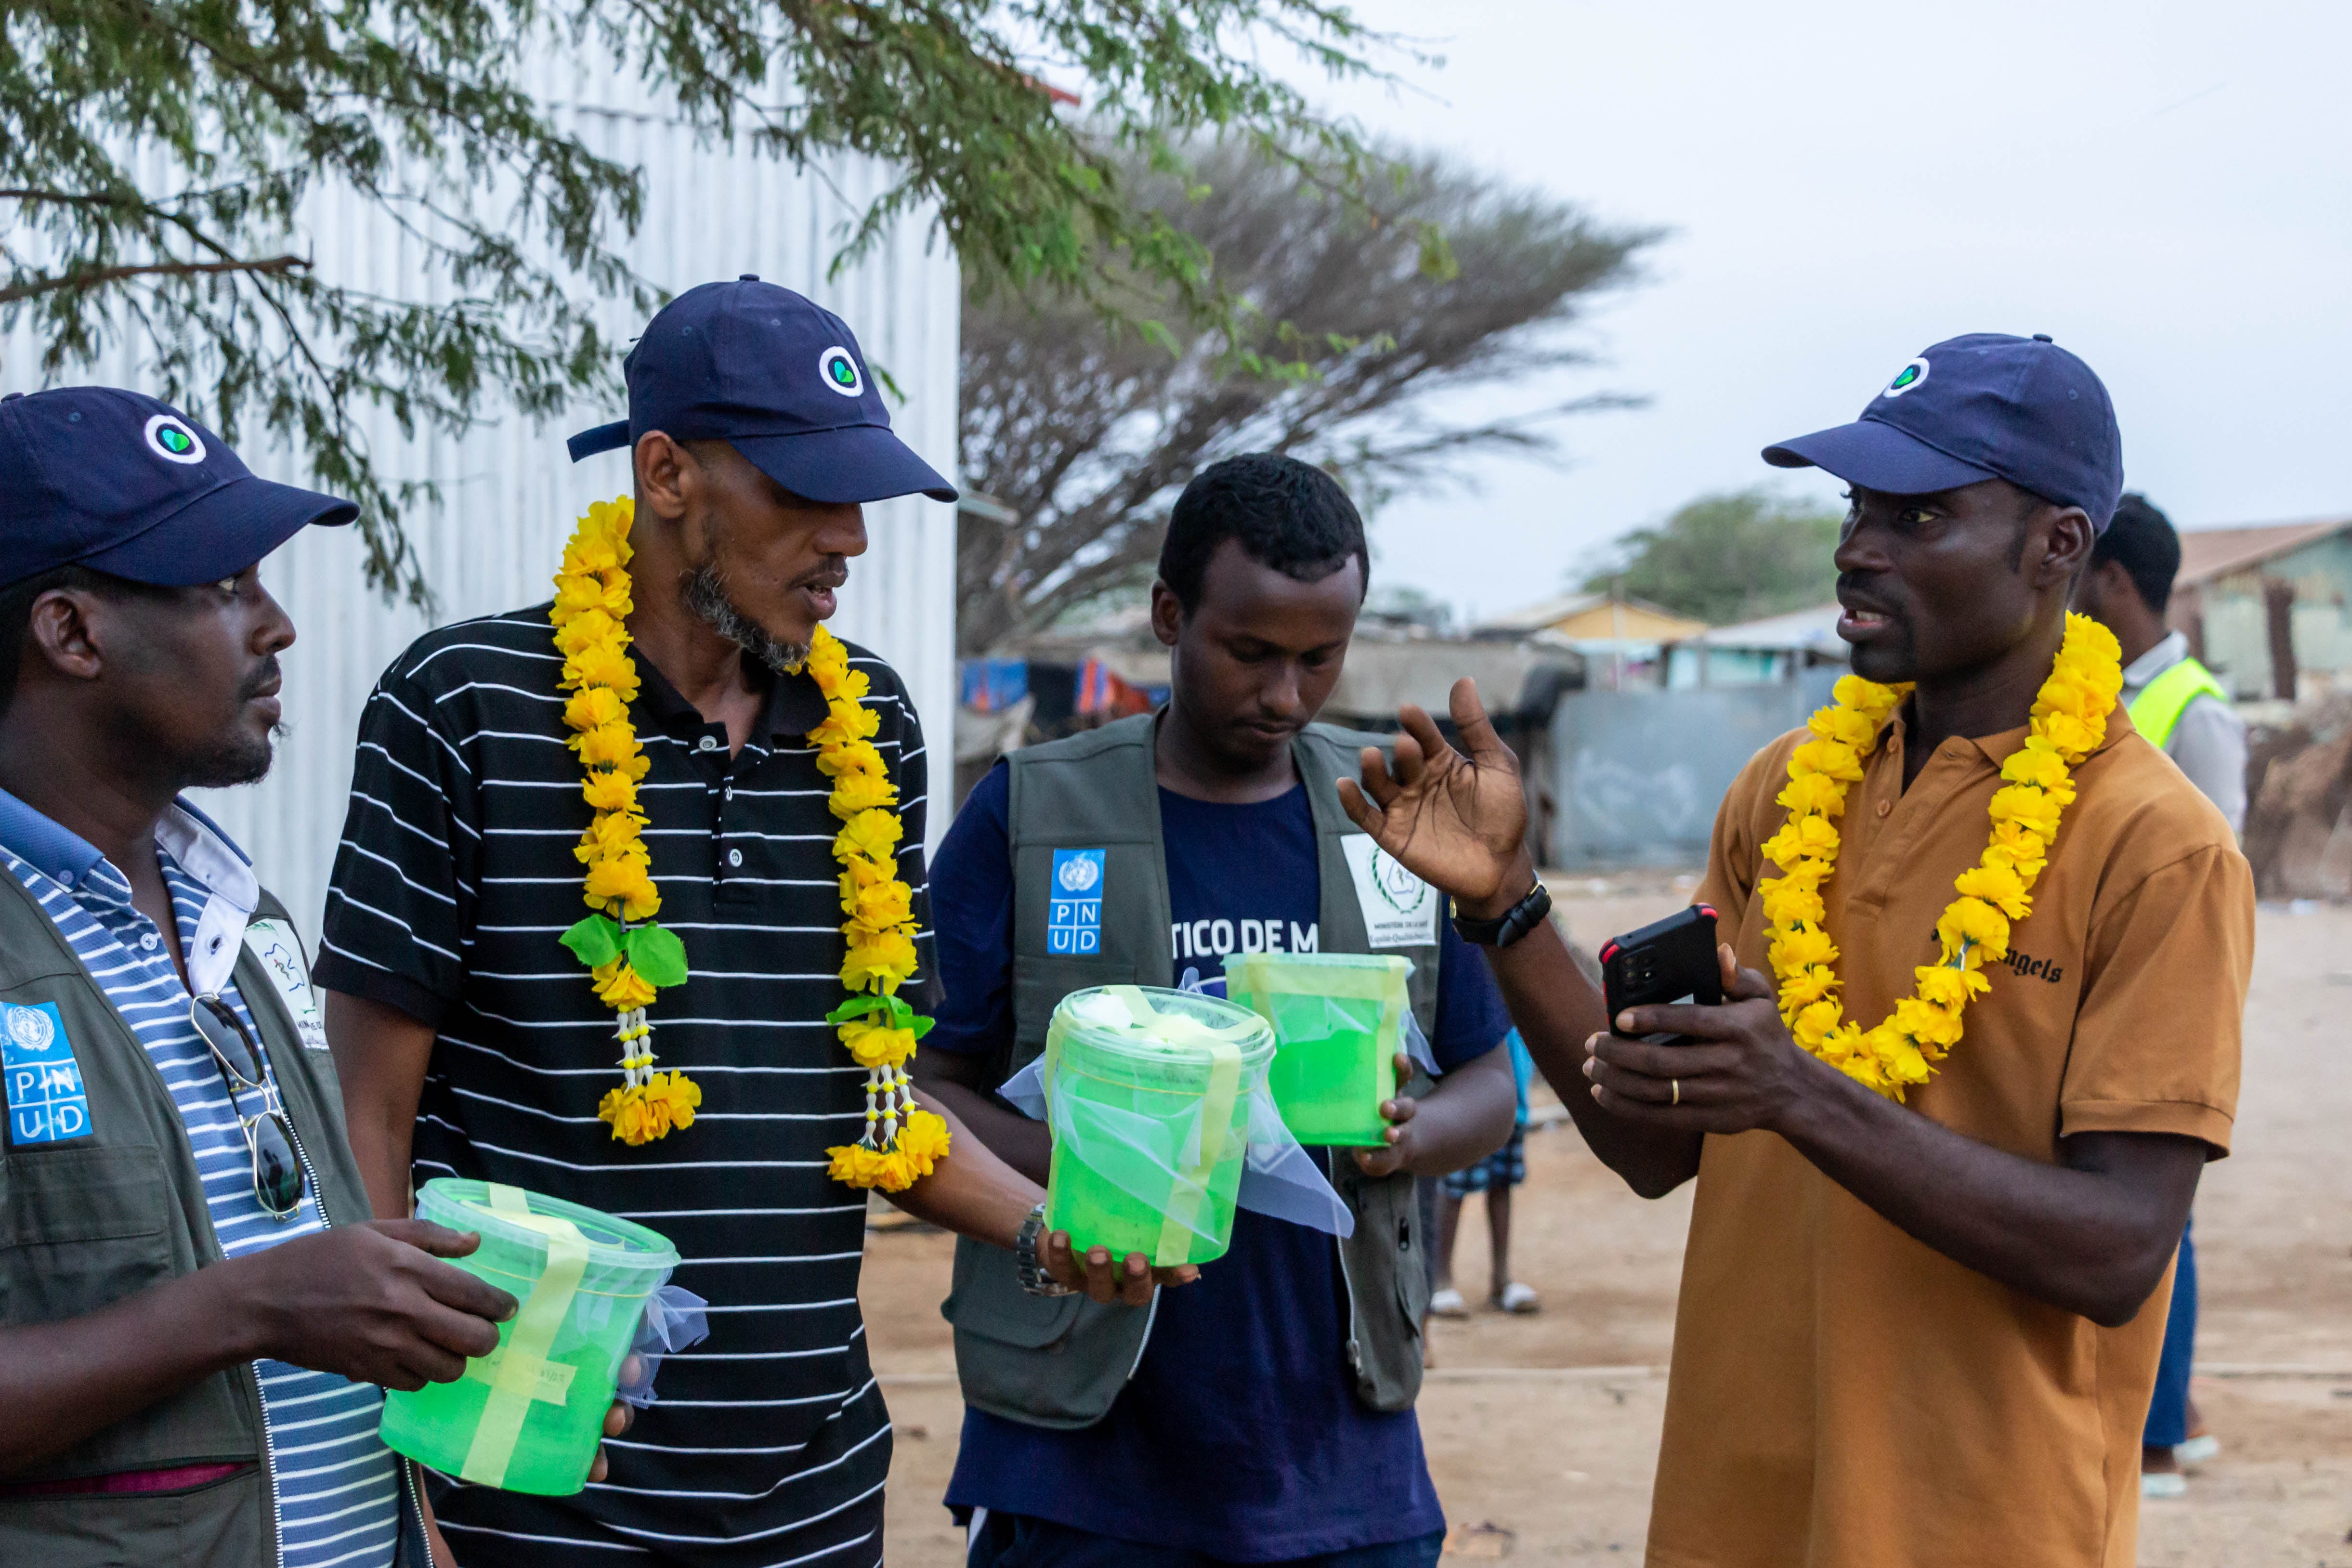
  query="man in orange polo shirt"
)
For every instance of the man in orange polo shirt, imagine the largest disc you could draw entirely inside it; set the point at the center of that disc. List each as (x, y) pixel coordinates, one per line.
(1920, 1331)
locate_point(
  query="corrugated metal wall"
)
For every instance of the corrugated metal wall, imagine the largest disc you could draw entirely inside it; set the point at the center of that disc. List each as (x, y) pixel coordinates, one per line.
(509, 493)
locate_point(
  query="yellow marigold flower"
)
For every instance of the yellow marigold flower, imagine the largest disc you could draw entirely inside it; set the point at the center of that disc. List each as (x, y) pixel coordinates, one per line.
(603, 664)
(610, 836)
(2037, 762)
(1801, 837)
(623, 887)
(877, 904)
(579, 592)
(1812, 792)
(1844, 724)
(591, 552)
(845, 723)
(880, 962)
(588, 628)
(608, 745)
(1998, 885)
(2031, 809)
(620, 987)
(857, 1165)
(594, 707)
(2021, 848)
(1951, 989)
(1804, 948)
(1801, 988)
(2073, 738)
(674, 1096)
(1832, 759)
(923, 1140)
(1866, 696)
(1792, 901)
(872, 834)
(1813, 1024)
(861, 792)
(874, 1044)
(633, 1121)
(1926, 1023)
(1972, 921)
(610, 791)
(863, 873)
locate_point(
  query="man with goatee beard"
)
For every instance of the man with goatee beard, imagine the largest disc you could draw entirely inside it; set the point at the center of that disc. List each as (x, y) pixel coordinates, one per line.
(471, 1043)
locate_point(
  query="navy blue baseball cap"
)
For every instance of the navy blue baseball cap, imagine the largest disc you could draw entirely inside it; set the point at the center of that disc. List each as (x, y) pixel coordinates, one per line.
(778, 378)
(124, 483)
(1984, 407)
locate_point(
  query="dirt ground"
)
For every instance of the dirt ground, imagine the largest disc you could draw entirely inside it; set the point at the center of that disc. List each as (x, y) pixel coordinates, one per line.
(1547, 1426)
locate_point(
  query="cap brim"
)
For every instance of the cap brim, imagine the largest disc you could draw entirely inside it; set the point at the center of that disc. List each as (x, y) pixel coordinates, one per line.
(855, 463)
(1877, 456)
(220, 534)
(599, 438)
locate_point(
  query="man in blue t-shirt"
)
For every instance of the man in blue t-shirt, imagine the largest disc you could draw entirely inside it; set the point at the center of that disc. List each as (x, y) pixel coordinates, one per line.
(1240, 1437)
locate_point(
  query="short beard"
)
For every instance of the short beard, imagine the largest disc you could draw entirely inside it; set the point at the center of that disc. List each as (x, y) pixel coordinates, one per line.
(243, 761)
(704, 592)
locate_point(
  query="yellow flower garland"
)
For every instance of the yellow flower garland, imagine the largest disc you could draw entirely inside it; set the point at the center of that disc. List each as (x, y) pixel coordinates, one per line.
(628, 955)
(902, 1141)
(2070, 723)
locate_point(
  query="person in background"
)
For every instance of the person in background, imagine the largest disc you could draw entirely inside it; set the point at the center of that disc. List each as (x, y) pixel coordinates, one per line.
(2177, 703)
(197, 1318)
(1495, 1175)
(1263, 1415)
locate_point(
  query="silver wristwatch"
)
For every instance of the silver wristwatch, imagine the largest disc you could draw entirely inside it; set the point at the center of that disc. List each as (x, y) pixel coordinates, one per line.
(1033, 1277)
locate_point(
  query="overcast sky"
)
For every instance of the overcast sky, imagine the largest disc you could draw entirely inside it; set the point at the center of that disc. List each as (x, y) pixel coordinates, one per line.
(2162, 187)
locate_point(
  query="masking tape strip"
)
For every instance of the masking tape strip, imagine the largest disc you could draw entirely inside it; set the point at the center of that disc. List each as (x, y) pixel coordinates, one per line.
(522, 1367)
(1269, 976)
(1191, 1190)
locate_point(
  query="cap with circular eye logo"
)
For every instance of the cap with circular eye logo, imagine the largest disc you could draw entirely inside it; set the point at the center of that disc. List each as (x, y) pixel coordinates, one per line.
(172, 440)
(1909, 376)
(839, 368)
(126, 484)
(731, 361)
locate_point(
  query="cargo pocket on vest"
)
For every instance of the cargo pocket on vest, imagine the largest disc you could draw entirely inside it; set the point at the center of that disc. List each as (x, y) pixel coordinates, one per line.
(1056, 1361)
(220, 1522)
(79, 1228)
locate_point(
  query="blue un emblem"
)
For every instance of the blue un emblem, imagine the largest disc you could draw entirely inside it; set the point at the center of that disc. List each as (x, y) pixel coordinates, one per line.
(47, 1103)
(1074, 907)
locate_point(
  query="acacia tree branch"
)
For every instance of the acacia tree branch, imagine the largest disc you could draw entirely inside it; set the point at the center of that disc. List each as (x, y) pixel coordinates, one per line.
(98, 277)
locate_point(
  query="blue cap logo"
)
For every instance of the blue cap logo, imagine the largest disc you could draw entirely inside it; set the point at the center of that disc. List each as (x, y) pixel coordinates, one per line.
(839, 368)
(1909, 376)
(172, 440)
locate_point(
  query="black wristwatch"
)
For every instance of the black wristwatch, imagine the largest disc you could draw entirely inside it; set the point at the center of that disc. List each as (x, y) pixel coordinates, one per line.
(1512, 924)
(1033, 1277)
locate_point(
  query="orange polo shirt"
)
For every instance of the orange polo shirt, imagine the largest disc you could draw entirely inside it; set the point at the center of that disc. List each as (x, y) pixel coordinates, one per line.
(1843, 1396)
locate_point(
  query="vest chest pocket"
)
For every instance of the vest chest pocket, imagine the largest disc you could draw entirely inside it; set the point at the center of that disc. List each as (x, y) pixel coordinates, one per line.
(79, 1228)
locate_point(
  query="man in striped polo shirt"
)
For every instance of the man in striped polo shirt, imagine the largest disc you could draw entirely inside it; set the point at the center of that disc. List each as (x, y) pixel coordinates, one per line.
(471, 1043)
(195, 1308)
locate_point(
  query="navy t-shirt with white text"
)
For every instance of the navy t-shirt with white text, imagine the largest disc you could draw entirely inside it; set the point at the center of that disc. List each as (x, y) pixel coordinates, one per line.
(1240, 1436)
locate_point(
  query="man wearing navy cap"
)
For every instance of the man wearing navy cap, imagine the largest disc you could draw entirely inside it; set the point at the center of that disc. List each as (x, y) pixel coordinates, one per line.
(471, 1043)
(195, 1308)
(1914, 1331)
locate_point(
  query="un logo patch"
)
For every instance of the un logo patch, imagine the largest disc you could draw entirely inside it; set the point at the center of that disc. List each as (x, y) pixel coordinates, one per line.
(1073, 903)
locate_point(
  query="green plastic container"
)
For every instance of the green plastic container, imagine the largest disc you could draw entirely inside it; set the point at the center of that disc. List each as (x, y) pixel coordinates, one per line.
(528, 1416)
(1338, 1023)
(1149, 1093)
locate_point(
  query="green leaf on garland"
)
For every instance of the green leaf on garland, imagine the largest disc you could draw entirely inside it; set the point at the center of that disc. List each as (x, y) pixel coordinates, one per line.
(922, 1026)
(856, 1007)
(594, 941)
(656, 954)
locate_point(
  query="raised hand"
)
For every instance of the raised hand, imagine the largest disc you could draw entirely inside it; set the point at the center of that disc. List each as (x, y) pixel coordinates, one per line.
(1458, 820)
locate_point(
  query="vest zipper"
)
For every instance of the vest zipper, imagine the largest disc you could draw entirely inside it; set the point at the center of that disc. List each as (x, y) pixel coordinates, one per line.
(1151, 1316)
(269, 1439)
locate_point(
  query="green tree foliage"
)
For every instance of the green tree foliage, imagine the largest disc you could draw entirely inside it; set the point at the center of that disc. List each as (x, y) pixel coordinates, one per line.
(1359, 334)
(1724, 559)
(156, 156)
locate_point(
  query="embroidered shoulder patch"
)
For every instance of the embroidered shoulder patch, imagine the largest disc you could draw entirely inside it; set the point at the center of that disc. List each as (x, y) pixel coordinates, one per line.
(1074, 901)
(281, 952)
(47, 1101)
(1400, 908)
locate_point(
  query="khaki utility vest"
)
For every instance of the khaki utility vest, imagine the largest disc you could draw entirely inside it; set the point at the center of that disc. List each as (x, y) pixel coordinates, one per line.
(1061, 1362)
(91, 1220)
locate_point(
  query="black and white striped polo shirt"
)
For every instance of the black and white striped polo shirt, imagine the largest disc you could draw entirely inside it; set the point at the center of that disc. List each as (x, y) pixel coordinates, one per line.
(456, 875)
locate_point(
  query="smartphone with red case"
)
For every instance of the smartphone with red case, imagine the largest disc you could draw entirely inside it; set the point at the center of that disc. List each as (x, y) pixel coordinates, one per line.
(1668, 961)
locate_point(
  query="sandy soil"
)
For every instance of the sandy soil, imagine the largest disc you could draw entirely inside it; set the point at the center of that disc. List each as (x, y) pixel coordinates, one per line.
(1547, 1426)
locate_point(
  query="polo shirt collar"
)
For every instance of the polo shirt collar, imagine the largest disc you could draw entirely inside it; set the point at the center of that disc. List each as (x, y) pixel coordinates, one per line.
(794, 707)
(58, 853)
(1999, 748)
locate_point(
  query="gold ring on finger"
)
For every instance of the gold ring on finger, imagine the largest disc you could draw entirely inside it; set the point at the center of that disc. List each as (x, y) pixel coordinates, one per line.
(1678, 1091)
